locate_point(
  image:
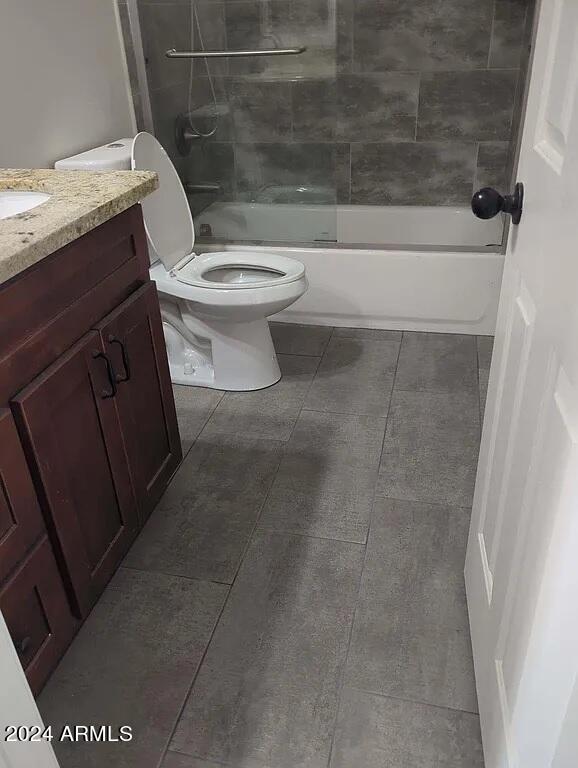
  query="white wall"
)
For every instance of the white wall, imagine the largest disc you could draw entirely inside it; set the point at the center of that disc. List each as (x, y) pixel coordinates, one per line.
(63, 81)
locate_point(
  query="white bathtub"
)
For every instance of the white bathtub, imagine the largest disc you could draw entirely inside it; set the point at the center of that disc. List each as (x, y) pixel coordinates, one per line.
(449, 282)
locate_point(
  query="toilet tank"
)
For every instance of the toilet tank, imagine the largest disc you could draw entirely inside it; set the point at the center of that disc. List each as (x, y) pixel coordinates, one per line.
(110, 157)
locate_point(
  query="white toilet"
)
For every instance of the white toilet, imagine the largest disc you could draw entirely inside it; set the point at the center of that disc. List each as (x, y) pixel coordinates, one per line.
(215, 305)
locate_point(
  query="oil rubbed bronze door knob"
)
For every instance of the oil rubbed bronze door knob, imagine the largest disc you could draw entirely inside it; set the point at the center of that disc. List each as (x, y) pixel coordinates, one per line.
(488, 202)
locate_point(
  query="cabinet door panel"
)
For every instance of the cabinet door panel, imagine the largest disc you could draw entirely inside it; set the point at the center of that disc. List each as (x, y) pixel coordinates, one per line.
(133, 339)
(21, 521)
(37, 613)
(71, 431)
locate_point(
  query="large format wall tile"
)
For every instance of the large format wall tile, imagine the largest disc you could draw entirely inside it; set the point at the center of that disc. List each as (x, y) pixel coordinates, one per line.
(410, 173)
(379, 732)
(508, 33)
(380, 107)
(430, 450)
(314, 105)
(132, 664)
(466, 105)
(267, 693)
(421, 35)
(375, 107)
(410, 637)
(368, 65)
(287, 165)
(261, 110)
(492, 165)
(165, 26)
(166, 104)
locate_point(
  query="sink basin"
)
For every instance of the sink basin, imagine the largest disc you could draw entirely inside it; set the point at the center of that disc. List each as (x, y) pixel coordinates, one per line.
(13, 203)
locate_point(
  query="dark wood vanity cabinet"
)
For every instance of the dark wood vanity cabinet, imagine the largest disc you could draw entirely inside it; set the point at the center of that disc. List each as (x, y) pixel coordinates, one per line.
(88, 431)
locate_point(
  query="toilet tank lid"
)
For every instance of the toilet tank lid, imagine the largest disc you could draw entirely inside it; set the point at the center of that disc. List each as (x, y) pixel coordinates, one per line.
(114, 156)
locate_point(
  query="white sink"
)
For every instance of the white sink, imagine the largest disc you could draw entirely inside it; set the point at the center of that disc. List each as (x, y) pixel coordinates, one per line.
(13, 203)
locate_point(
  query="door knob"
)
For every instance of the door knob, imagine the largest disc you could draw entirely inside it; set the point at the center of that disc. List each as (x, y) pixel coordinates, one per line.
(487, 203)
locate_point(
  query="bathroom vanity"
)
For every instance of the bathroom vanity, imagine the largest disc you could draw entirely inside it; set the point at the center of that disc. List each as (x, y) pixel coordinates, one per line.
(88, 430)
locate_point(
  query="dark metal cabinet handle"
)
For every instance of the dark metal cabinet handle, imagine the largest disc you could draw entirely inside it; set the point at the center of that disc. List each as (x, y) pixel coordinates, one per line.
(106, 394)
(487, 203)
(125, 361)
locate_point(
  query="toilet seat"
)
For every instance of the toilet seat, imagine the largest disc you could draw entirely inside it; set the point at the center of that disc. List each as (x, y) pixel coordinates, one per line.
(171, 234)
(238, 270)
(214, 306)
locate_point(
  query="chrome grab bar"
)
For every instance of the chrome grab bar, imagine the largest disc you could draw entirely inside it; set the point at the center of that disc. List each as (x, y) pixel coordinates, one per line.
(174, 54)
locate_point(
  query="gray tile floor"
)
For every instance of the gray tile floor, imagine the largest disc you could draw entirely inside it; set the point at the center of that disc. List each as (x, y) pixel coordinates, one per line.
(297, 599)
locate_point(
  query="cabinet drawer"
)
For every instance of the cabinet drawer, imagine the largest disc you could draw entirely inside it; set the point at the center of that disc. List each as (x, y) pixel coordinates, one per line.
(37, 614)
(21, 522)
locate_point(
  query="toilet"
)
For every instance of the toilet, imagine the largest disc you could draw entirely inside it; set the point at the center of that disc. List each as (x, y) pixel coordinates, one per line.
(214, 306)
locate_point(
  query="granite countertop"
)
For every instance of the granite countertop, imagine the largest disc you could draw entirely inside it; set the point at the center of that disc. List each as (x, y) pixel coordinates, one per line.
(80, 201)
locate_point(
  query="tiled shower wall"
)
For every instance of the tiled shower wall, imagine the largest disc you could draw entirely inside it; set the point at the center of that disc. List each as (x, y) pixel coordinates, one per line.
(395, 102)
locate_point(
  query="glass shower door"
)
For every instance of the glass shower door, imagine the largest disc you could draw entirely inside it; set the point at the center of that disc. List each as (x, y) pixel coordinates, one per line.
(253, 137)
(377, 135)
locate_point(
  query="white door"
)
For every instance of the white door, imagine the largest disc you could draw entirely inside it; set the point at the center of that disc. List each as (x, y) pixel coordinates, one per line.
(23, 749)
(522, 560)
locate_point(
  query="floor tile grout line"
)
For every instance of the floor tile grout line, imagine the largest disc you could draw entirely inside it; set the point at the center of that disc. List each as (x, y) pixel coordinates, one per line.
(453, 393)
(379, 496)
(202, 429)
(386, 424)
(158, 572)
(409, 700)
(342, 684)
(344, 413)
(284, 532)
(198, 669)
(194, 679)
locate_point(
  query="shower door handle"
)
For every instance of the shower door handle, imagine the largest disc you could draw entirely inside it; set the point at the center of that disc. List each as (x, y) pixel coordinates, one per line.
(487, 203)
(174, 54)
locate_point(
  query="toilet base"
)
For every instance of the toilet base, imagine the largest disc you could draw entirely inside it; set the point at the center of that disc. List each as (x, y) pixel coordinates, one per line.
(237, 357)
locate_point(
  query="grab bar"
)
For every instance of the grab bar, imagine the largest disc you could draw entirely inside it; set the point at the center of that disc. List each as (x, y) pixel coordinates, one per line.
(174, 54)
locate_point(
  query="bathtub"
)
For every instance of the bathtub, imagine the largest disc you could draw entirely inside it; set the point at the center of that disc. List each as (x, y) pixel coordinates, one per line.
(428, 268)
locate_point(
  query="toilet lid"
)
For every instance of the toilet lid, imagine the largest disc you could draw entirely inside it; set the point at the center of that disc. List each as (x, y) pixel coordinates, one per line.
(167, 215)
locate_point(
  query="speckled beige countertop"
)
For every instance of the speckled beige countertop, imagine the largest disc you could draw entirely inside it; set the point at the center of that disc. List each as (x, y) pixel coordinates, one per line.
(80, 201)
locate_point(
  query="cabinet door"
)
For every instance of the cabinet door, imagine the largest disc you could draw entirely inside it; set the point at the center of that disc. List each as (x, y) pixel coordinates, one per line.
(21, 521)
(69, 427)
(133, 339)
(37, 613)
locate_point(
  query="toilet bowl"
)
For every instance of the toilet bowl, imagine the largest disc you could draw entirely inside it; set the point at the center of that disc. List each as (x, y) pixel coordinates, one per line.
(214, 306)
